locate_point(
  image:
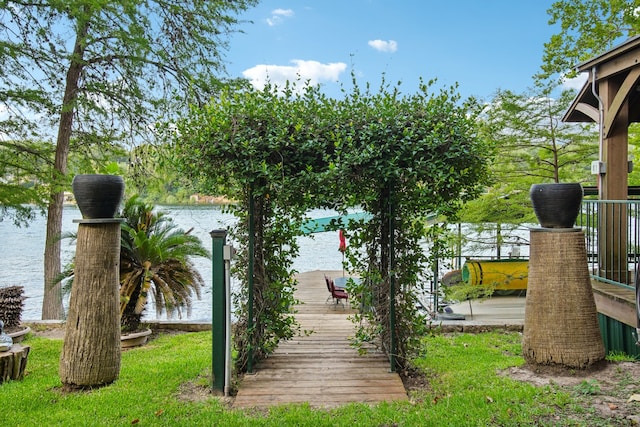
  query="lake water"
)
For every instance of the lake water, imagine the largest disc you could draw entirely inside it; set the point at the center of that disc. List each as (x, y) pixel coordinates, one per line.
(23, 250)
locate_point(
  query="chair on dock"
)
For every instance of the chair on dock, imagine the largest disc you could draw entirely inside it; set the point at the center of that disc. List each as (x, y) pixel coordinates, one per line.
(338, 294)
(327, 281)
(335, 290)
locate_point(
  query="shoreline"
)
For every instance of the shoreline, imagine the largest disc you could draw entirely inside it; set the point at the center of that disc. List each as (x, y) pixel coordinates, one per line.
(55, 329)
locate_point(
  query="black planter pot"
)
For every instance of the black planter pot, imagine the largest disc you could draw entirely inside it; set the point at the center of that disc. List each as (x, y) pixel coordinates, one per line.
(98, 196)
(556, 205)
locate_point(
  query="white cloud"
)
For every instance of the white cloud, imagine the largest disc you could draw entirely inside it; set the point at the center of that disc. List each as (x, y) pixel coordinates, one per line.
(312, 71)
(576, 82)
(278, 16)
(384, 45)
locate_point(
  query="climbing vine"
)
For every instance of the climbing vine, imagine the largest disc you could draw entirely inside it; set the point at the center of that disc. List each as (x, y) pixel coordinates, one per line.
(265, 150)
(405, 158)
(282, 151)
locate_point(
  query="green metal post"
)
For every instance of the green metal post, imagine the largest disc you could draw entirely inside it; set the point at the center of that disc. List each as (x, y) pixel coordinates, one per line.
(219, 317)
(392, 283)
(459, 247)
(436, 286)
(251, 256)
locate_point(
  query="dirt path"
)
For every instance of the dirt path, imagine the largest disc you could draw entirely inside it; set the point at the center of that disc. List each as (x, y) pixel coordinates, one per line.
(610, 393)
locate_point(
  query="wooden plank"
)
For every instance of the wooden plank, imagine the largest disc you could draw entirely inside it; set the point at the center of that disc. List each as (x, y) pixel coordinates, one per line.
(614, 291)
(285, 374)
(320, 367)
(327, 390)
(332, 366)
(322, 382)
(615, 302)
(350, 386)
(616, 65)
(616, 309)
(315, 400)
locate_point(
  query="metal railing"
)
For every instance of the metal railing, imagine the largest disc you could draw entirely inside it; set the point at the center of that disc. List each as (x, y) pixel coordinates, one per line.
(612, 239)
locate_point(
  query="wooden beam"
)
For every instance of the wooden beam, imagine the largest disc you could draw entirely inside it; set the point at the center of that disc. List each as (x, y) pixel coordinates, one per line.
(611, 113)
(617, 65)
(589, 110)
(614, 144)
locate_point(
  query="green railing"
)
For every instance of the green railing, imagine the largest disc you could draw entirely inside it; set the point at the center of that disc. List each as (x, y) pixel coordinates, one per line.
(612, 231)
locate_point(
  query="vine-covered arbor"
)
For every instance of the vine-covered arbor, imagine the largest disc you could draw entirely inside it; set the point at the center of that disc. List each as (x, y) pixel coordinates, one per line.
(282, 151)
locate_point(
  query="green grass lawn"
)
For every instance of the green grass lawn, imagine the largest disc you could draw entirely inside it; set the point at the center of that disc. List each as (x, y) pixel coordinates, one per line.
(464, 390)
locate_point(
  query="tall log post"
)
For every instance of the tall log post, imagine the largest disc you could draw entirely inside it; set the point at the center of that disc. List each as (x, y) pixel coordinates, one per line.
(560, 323)
(91, 350)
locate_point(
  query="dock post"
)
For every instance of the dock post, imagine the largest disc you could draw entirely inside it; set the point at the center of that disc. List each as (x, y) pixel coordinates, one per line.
(218, 306)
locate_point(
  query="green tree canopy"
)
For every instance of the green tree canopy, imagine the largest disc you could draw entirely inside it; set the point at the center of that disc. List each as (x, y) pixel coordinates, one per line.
(532, 145)
(87, 73)
(25, 168)
(587, 29)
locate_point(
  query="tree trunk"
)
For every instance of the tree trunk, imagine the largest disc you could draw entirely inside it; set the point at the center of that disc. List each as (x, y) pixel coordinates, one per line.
(52, 307)
(91, 351)
(561, 324)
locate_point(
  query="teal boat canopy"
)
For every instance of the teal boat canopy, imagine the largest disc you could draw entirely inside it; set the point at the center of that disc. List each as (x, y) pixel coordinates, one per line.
(332, 223)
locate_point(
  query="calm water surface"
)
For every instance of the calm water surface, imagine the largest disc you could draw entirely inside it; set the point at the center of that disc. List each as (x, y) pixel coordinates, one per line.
(21, 262)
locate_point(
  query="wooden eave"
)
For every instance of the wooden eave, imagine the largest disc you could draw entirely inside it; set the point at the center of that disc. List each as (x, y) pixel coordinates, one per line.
(615, 63)
(584, 107)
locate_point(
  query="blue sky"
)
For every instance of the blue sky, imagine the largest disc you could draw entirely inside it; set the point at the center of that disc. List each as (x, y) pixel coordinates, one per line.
(483, 45)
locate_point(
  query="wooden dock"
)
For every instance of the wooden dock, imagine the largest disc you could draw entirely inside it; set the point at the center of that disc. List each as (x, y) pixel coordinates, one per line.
(320, 368)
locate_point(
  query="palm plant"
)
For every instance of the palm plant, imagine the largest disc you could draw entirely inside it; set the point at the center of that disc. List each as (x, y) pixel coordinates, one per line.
(11, 306)
(155, 261)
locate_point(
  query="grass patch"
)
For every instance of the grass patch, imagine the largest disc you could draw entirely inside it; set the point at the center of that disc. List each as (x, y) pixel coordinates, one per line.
(619, 356)
(464, 388)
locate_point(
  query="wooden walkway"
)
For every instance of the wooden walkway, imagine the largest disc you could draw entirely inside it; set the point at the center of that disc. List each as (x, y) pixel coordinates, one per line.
(320, 368)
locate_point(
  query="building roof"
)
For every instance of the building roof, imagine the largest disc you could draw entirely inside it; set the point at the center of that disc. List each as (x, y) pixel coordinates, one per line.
(615, 63)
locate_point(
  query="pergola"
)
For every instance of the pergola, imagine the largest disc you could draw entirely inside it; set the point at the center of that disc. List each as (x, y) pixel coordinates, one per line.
(611, 98)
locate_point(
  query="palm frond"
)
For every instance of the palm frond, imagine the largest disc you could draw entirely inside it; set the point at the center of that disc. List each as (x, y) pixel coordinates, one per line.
(155, 261)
